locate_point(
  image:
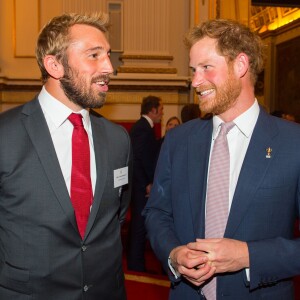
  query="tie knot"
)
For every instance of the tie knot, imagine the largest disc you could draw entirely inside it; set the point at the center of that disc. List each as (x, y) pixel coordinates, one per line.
(226, 127)
(75, 119)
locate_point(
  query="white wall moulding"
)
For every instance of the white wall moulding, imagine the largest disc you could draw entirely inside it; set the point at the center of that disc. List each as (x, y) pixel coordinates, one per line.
(26, 27)
(13, 83)
(155, 64)
(122, 90)
(147, 70)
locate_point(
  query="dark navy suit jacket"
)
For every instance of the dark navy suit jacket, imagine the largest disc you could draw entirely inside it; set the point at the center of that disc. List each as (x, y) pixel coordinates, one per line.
(263, 212)
(145, 151)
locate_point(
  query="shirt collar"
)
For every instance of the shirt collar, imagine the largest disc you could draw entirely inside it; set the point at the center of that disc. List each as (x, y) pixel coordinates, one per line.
(57, 111)
(244, 122)
(149, 120)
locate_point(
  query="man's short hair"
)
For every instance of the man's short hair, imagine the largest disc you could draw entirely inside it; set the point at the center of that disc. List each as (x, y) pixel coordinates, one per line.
(148, 103)
(232, 39)
(54, 37)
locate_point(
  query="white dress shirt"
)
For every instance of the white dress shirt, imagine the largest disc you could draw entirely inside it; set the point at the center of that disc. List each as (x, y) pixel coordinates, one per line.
(149, 120)
(61, 129)
(238, 141)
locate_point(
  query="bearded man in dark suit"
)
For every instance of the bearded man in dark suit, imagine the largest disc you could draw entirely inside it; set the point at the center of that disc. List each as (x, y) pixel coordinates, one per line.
(49, 248)
(251, 195)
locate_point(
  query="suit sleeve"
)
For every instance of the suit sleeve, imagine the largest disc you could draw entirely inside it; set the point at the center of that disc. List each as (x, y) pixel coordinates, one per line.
(158, 211)
(274, 259)
(126, 193)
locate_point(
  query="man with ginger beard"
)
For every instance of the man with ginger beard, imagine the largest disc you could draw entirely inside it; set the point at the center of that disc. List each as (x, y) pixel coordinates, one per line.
(64, 174)
(227, 232)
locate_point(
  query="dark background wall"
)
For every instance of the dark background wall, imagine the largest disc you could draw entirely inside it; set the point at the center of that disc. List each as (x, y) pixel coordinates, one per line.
(287, 94)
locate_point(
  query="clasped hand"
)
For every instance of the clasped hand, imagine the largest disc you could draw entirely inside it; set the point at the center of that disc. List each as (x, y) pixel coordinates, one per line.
(198, 261)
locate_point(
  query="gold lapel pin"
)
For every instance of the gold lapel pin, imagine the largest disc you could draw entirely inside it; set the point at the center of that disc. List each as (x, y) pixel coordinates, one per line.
(269, 151)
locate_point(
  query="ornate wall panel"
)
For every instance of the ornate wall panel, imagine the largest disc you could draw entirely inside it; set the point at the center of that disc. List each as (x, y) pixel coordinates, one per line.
(26, 27)
(83, 6)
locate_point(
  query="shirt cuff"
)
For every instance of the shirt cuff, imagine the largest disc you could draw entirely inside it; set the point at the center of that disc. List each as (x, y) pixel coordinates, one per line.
(174, 272)
(248, 274)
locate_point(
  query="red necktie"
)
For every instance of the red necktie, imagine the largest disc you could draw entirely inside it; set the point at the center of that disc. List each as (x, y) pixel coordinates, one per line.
(81, 187)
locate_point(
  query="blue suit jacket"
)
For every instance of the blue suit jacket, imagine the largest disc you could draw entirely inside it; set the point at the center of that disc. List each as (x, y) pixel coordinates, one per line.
(263, 212)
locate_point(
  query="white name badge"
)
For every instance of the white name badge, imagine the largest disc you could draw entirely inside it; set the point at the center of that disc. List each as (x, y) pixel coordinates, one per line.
(120, 177)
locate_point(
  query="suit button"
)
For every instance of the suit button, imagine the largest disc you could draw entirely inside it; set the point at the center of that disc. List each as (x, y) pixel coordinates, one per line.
(83, 248)
(85, 288)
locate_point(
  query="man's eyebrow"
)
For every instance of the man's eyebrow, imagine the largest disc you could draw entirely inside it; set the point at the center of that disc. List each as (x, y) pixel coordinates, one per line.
(98, 48)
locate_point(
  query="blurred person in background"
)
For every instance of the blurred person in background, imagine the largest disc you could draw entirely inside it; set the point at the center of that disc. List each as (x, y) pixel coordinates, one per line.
(145, 148)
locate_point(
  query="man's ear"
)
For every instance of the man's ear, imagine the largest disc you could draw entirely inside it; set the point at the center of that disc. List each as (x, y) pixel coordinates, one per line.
(241, 64)
(53, 67)
(154, 110)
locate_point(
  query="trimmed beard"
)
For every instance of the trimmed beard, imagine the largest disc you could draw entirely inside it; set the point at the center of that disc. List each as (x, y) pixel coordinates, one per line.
(77, 91)
(226, 95)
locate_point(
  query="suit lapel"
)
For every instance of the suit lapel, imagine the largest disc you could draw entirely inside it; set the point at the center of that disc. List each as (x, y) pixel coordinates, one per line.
(253, 170)
(38, 131)
(100, 139)
(198, 157)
